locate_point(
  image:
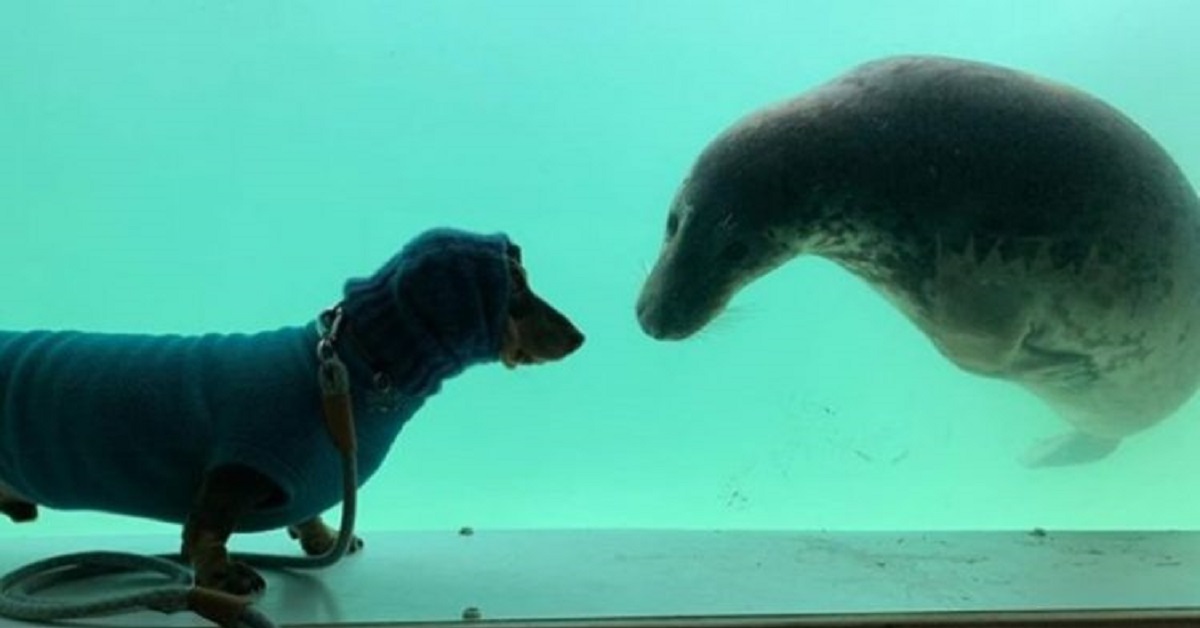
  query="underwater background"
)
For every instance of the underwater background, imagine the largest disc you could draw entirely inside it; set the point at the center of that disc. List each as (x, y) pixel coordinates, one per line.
(197, 166)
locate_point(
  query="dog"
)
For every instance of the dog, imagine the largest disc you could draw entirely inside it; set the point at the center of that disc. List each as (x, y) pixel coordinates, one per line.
(224, 433)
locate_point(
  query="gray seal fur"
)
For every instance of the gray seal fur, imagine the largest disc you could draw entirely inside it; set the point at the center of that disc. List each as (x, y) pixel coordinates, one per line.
(1031, 231)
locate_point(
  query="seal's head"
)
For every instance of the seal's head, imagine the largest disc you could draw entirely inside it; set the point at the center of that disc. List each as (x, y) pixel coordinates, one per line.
(723, 231)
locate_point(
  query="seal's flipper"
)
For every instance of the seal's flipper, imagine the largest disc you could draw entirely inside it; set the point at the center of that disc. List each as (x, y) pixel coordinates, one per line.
(1069, 449)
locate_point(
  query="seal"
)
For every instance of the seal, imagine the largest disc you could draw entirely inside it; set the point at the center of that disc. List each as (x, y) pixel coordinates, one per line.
(1033, 232)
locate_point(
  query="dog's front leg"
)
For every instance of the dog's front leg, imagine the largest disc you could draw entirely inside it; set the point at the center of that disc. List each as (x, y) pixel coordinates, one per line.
(227, 494)
(316, 538)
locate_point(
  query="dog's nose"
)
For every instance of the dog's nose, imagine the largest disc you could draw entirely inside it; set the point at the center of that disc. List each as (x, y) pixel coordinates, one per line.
(574, 340)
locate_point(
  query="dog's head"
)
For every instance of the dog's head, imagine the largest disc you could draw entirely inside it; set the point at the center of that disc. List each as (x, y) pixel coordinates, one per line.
(535, 332)
(448, 300)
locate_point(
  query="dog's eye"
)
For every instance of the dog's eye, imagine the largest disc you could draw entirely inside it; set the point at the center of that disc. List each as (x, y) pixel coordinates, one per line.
(520, 304)
(520, 283)
(519, 297)
(519, 308)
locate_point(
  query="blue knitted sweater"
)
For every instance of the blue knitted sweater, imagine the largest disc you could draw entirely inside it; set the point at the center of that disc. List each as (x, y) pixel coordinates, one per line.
(129, 423)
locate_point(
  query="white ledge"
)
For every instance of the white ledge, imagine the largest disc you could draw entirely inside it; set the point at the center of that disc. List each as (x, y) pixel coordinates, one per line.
(656, 577)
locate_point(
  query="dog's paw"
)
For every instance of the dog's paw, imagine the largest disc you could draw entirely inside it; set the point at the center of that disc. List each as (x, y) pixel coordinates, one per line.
(232, 577)
(317, 539)
(356, 545)
(19, 511)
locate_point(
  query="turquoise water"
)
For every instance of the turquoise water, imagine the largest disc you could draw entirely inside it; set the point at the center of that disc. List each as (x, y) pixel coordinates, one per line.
(224, 166)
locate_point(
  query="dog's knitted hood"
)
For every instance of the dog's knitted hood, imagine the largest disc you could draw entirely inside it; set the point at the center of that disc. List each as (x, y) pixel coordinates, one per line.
(437, 307)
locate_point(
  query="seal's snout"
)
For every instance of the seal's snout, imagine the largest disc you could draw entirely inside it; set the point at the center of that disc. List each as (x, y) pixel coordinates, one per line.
(647, 321)
(657, 321)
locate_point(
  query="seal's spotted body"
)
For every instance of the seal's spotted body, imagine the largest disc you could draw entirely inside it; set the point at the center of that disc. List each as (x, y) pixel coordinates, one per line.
(1033, 232)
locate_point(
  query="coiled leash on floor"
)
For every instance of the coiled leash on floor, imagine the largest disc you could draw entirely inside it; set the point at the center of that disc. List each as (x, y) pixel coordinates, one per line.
(18, 589)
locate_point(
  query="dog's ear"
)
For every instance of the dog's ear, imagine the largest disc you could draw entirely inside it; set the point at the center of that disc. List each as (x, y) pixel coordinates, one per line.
(520, 297)
(514, 252)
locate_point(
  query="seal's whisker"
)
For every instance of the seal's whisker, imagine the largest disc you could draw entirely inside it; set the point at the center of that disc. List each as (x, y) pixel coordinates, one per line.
(736, 313)
(728, 318)
(732, 316)
(705, 332)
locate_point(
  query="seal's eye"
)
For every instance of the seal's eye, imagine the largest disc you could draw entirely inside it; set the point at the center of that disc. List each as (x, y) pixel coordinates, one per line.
(672, 225)
(735, 252)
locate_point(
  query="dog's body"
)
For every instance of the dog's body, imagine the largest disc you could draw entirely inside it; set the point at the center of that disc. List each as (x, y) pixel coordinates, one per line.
(130, 423)
(225, 433)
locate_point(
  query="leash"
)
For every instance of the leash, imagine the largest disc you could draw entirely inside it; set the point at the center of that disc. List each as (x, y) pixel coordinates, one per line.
(19, 588)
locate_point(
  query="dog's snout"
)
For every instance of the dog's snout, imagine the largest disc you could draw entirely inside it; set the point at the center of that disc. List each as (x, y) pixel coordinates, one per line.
(570, 338)
(544, 333)
(575, 340)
